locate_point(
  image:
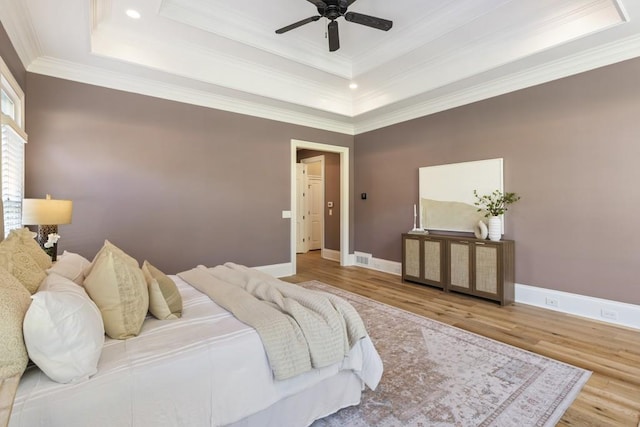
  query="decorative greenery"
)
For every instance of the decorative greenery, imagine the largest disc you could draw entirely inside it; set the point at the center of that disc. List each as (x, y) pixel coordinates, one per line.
(496, 203)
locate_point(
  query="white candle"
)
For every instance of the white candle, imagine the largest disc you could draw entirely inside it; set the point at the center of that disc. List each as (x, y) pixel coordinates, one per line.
(414, 210)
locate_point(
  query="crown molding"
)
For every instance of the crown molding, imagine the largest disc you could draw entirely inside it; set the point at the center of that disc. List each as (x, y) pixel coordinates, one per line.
(121, 81)
(227, 22)
(220, 68)
(16, 20)
(497, 48)
(590, 59)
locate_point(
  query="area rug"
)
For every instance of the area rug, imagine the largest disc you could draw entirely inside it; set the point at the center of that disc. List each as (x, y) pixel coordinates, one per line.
(436, 375)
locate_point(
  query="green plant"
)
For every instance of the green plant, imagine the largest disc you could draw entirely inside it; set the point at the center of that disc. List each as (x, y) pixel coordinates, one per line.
(496, 203)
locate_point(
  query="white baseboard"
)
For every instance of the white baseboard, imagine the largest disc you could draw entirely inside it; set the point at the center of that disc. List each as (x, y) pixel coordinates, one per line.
(362, 259)
(618, 313)
(391, 267)
(277, 270)
(331, 255)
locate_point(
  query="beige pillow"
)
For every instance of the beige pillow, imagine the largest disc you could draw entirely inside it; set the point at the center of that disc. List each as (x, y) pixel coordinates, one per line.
(21, 265)
(14, 302)
(108, 246)
(165, 301)
(120, 291)
(25, 238)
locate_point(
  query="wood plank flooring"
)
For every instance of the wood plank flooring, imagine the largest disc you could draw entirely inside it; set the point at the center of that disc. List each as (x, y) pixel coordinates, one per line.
(611, 397)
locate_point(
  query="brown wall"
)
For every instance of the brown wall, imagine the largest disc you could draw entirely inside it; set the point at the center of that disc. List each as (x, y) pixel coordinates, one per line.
(331, 194)
(570, 149)
(173, 183)
(11, 58)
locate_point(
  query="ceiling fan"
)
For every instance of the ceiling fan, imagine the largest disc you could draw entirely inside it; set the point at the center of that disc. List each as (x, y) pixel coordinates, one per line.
(332, 10)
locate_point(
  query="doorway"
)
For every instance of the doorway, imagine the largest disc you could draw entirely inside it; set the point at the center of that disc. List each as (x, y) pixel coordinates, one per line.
(343, 198)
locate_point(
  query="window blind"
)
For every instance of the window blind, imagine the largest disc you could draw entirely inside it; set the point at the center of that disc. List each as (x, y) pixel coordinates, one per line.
(12, 175)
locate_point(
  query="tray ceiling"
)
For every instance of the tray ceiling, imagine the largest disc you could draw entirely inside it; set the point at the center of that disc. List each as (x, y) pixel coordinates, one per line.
(225, 54)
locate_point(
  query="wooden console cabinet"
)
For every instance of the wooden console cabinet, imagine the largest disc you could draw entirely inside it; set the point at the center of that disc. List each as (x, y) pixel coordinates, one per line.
(423, 259)
(476, 267)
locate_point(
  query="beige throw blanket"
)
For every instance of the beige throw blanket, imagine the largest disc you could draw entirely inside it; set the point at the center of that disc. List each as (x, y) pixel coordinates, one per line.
(300, 329)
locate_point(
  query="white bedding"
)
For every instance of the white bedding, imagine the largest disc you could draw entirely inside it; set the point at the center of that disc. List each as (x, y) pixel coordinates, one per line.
(205, 369)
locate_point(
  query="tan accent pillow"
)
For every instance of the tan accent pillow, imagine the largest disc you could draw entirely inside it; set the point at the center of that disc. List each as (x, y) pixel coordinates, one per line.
(25, 238)
(8, 388)
(108, 246)
(120, 291)
(14, 302)
(21, 265)
(165, 301)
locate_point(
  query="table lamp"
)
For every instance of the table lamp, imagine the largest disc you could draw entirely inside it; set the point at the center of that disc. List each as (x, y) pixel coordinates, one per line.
(47, 214)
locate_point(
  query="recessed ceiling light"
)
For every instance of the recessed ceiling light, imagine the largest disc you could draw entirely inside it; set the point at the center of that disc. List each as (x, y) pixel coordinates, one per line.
(353, 86)
(133, 14)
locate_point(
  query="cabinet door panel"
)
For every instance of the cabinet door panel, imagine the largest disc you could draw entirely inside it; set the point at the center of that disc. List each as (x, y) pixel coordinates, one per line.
(412, 257)
(432, 260)
(487, 269)
(460, 274)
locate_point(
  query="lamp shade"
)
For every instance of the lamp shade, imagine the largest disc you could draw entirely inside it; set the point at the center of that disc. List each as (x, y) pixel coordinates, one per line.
(46, 211)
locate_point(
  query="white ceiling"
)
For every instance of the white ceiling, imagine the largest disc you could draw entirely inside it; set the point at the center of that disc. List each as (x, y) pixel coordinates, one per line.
(225, 54)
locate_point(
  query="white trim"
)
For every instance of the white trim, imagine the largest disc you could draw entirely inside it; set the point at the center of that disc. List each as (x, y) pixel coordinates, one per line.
(125, 82)
(391, 267)
(378, 264)
(590, 59)
(277, 270)
(580, 305)
(16, 19)
(330, 254)
(345, 186)
(16, 94)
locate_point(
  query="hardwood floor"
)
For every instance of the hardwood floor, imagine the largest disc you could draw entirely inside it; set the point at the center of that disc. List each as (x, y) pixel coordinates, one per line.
(611, 397)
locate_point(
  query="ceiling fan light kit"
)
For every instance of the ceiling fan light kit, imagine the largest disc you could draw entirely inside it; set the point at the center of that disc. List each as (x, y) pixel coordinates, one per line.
(334, 9)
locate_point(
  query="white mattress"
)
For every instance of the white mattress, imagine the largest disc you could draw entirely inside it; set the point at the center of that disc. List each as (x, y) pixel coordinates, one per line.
(205, 369)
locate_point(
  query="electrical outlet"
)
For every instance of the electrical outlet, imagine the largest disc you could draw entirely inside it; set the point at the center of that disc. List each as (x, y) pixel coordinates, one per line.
(551, 302)
(609, 314)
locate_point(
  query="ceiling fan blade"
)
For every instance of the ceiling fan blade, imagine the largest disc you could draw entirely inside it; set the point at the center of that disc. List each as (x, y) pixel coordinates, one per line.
(369, 21)
(297, 24)
(318, 3)
(334, 39)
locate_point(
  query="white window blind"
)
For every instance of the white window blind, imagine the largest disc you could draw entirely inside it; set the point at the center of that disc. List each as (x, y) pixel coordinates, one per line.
(12, 177)
(12, 150)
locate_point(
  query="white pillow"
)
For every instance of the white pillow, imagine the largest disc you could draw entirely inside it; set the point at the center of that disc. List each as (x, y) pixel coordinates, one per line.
(63, 331)
(71, 266)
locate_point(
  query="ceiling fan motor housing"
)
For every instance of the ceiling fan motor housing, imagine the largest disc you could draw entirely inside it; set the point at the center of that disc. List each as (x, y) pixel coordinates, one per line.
(334, 9)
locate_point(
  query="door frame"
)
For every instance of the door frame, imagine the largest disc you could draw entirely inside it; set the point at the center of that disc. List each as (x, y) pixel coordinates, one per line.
(344, 196)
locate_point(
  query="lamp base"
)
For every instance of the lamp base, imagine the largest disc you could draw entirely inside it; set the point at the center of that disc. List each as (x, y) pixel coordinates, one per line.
(43, 236)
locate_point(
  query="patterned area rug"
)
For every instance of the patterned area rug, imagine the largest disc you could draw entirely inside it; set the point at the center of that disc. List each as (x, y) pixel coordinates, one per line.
(437, 375)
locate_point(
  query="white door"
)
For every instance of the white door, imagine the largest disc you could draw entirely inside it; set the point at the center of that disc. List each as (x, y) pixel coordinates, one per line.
(302, 242)
(315, 199)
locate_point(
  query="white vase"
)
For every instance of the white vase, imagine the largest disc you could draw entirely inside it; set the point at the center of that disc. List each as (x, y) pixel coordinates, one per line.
(495, 228)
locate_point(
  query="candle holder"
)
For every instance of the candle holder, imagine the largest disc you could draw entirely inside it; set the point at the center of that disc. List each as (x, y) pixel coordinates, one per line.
(415, 229)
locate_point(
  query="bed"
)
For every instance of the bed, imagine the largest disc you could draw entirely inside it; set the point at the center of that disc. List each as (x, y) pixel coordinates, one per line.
(206, 368)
